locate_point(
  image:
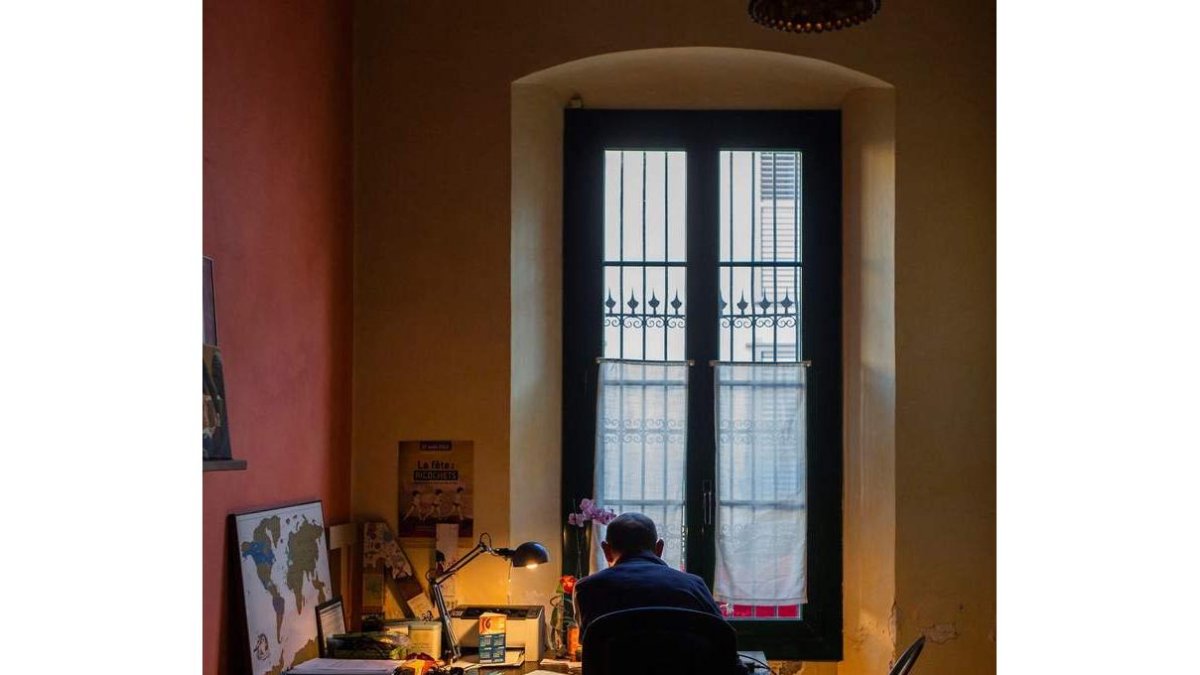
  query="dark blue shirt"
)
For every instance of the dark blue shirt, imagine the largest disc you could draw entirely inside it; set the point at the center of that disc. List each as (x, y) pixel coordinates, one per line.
(639, 580)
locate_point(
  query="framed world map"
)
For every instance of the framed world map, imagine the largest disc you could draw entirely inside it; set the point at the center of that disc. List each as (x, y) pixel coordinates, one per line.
(285, 574)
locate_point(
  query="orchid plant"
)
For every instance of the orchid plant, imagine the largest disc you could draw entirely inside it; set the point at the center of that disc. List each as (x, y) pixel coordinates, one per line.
(562, 618)
(589, 512)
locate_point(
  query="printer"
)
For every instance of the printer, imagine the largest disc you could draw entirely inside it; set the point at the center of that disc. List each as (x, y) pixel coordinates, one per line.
(525, 627)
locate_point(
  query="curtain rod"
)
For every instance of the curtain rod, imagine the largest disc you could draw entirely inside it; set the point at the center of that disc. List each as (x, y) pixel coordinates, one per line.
(807, 363)
(689, 362)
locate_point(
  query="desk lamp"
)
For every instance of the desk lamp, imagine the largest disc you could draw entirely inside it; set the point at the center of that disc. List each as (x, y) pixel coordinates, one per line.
(529, 555)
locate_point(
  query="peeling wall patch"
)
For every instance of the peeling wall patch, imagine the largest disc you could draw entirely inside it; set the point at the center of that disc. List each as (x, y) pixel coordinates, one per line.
(940, 633)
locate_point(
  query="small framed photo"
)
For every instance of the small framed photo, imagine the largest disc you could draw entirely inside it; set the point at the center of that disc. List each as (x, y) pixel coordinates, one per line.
(331, 620)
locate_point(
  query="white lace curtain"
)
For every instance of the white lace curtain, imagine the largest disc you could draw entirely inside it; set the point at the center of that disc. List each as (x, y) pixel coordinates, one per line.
(641, 460)
(761, 484)
(641, 448)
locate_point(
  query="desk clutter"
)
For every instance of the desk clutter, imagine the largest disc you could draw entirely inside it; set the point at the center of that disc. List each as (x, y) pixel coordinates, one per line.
(296, 622)
(366, 646)
(325, 666)
(328, 666)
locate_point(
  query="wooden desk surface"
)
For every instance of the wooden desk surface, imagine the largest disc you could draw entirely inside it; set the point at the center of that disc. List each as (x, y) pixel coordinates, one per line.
(527, 667)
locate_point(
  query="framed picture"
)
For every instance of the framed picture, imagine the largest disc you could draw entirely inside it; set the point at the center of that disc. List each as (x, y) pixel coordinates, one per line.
(284, 558)
(331, 620)
(216, 447)
(210, 304)
(216, 415)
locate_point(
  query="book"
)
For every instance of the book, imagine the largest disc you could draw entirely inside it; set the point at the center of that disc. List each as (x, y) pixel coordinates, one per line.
(345, 667)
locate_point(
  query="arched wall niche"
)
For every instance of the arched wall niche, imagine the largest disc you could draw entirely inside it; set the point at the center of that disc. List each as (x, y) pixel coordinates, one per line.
(701, 78)
(715, 78)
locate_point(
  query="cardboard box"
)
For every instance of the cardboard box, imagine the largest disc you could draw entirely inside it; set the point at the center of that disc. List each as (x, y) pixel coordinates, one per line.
(492, 631)
(426, 636)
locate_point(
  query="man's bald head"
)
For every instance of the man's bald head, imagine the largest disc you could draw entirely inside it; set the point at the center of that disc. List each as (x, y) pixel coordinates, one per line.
(631, 533)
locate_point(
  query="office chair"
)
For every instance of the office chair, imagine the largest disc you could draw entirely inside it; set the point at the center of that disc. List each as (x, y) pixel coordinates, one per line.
(908, 658)
(656, 640)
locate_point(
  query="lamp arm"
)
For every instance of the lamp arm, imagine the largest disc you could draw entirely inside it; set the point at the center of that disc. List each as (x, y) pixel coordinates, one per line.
(435, 589)
(450, 647)
(480, 549)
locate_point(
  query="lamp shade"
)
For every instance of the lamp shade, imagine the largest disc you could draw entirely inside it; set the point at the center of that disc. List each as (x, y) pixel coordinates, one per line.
(812, 16)
(530, 554)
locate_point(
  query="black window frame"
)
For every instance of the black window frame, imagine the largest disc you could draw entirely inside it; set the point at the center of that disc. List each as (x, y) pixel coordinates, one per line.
(817, 636)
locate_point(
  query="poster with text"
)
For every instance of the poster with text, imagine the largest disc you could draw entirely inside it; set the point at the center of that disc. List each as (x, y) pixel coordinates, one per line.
(436, 487)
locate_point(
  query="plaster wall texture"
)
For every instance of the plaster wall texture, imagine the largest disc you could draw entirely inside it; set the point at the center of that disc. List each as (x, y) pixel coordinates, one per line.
(432, 322)
(869, 331)
(277, 222)
(536, 389)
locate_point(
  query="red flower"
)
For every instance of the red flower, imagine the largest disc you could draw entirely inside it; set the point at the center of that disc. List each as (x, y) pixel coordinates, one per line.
(568, 583)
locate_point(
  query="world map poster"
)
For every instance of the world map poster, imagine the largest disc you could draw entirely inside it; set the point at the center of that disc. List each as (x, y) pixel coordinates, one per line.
(285, 575)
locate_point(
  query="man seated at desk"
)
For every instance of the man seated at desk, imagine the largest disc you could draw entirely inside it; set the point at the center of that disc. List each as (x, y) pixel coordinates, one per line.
(637, 576)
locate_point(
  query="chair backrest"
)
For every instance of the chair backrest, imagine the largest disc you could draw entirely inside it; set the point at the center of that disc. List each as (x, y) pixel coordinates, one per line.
(908, 658)
(655, 640)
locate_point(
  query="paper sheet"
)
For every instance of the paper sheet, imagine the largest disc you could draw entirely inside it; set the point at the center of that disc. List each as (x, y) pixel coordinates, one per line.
(447, 545)
(447, 541)
(513, 658)
(422, 608)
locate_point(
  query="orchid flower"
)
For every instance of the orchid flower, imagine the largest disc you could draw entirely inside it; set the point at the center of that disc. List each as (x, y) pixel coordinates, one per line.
(590, 511)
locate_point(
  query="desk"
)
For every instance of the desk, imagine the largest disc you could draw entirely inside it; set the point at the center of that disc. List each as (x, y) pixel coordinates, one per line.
(523, 669)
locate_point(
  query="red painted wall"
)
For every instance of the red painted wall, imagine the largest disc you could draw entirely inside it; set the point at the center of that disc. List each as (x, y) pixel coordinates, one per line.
(278, 223)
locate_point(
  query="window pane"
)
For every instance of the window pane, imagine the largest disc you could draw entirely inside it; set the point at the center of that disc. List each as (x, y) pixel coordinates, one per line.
(644, 254)
(761, 490)
(760, 272)
(641, 448)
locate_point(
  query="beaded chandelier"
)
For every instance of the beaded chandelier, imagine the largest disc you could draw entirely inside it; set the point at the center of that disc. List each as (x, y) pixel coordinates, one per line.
(812, 16)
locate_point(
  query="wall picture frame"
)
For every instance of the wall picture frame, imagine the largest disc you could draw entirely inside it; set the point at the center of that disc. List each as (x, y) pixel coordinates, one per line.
(210, 304)
(283, 554)
(216, 449)
(331, 620)
(215, 439)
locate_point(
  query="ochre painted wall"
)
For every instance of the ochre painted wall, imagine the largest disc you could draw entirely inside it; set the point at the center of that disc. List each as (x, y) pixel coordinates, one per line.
(699, 78)
(432, 272)
(869, 380)
(278, 223)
